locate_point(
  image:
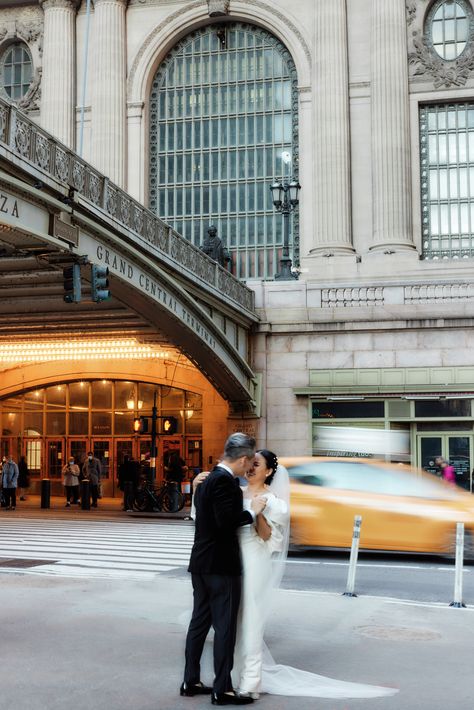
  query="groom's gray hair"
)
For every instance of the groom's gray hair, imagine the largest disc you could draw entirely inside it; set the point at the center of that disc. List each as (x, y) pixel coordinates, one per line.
(238, 445)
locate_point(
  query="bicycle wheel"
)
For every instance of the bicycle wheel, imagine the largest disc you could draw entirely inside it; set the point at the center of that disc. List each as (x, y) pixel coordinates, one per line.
(172, 501)
(141, 502)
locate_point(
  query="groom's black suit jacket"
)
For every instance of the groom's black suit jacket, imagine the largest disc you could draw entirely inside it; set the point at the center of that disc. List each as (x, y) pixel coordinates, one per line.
(219, 513)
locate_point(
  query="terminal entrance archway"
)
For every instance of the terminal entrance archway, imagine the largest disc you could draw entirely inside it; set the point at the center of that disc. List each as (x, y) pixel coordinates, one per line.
(48, 425)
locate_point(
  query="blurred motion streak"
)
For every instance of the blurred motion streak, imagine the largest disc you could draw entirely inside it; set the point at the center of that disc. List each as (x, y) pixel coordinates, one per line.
(361, 441)
(403, 509)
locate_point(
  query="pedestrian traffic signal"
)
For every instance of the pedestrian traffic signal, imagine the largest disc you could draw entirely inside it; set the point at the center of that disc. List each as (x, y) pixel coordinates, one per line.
(140, 425)
(170, 424)
(99, 283)
(72, 283)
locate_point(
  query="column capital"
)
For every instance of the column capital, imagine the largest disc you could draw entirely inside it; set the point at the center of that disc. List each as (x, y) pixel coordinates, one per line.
(67, 4)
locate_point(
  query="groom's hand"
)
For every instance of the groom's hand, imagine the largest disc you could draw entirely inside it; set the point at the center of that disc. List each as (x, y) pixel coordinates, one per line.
(257, 504)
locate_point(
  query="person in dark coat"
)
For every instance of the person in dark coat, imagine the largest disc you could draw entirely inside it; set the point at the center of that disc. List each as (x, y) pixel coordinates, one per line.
(216, 569)
(128, 475)
(23, 477)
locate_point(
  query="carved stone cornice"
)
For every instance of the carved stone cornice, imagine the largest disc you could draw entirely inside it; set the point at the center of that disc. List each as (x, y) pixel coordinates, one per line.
(66, 4)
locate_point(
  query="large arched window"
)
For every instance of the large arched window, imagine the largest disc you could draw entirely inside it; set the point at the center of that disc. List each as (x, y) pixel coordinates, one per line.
(223, 109)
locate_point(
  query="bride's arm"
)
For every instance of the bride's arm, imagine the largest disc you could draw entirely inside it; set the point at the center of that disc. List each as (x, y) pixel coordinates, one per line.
(264, 530)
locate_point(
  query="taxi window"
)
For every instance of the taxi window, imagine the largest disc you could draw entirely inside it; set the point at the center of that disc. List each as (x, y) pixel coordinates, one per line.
(359, 476)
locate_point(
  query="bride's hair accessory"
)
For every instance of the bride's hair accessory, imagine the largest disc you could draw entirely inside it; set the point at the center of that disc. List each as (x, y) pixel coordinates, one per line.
(271, 460)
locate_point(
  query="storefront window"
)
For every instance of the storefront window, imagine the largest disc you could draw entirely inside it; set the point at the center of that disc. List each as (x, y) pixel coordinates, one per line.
(79, 395)
(55, 423)
(34, 399)
(124, 392)
(101, 394)
(123, 423)
(443, 408)
(56, 397)
(33, 424)
(101, 423)
(347, 410)
(11, 423)
(78, 423)
(172, 398)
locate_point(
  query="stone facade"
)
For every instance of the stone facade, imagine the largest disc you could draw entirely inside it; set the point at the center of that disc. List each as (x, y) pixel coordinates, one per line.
(365, 296)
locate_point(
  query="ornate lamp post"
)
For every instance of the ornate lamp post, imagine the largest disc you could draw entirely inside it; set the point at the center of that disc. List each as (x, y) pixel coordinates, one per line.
(285, 199)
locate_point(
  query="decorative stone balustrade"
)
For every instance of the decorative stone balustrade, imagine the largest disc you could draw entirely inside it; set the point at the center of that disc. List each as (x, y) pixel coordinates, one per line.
(351, 297)
(25, 139)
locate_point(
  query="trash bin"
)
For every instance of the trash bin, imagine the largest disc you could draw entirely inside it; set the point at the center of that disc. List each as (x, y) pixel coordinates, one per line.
(45, 493)
(85, 494)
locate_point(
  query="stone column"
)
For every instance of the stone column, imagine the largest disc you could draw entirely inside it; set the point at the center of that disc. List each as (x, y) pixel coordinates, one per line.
(390, 128)
(58, 79)
(332, 158)
(108, 75)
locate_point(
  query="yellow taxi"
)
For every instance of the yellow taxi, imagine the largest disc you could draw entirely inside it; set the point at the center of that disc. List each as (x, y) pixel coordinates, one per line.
(402, 508)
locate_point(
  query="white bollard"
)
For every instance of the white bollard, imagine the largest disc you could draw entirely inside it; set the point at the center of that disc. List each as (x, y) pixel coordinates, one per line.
(458, 569)
(353, 558)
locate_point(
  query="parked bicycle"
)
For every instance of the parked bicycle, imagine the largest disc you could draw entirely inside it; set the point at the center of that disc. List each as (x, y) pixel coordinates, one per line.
(165, 497)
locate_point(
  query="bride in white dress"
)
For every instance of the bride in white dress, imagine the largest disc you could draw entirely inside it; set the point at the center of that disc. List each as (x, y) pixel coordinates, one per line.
(264, 548)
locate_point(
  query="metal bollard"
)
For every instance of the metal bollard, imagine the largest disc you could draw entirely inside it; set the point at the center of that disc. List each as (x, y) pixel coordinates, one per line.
(458, 569)
(85, 495)
(45, 493)
(353, 558)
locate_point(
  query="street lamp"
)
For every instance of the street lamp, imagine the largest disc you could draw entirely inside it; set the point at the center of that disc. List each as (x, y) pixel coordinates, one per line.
(285, 200)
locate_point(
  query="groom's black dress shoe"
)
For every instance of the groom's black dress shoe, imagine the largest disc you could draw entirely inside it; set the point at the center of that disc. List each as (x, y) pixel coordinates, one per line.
(190, 689)
(229, 699)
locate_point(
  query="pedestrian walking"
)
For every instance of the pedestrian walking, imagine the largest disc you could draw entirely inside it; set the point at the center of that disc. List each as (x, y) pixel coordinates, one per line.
(92, 470)
(23, 477)
(10, 482)
(71, 482)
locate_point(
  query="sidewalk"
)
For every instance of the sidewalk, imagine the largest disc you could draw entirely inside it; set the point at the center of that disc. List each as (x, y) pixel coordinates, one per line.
(108, 645)
(107, 508)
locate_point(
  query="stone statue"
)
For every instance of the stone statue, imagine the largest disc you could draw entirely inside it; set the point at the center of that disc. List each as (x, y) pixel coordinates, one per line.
(213, 247)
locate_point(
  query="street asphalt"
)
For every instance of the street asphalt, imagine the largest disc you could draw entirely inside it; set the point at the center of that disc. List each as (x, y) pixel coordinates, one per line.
(102, 644)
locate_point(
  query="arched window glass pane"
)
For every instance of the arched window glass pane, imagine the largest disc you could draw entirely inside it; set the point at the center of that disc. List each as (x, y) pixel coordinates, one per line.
(450, 22)
(17, 71)
(222, 112)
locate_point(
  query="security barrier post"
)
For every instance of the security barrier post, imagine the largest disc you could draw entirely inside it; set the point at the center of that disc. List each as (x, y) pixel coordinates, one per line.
(458, 569)
(353, 558)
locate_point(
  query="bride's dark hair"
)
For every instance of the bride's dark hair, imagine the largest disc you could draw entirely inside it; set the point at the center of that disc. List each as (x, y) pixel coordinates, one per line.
(272, 462)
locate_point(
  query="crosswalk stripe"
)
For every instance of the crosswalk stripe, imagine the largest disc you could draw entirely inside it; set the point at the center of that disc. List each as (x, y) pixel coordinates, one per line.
(95, 548)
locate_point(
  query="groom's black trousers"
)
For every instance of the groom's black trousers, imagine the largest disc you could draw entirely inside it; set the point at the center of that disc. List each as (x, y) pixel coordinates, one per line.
(216, 603)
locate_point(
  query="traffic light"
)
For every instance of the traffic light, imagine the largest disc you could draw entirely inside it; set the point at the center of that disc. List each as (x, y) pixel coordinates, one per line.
(140, 425)
(99, 283)
(170, 424)
(72, 283)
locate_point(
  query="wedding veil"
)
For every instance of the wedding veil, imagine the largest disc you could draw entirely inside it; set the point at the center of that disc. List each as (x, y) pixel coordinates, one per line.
(278, 679)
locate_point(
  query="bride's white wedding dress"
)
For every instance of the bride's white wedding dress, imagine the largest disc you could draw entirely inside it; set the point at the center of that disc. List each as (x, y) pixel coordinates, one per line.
(254, 669)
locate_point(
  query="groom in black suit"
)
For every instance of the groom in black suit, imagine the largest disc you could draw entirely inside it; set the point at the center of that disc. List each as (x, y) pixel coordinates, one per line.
(216, 570)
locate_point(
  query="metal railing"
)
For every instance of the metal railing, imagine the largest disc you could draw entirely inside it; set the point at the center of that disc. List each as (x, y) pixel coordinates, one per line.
(23, 138)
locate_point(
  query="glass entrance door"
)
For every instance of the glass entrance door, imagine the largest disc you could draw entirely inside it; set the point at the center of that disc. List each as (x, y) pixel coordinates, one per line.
(78, 449)
(455, 448)
(55, 450)
(101, 450)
